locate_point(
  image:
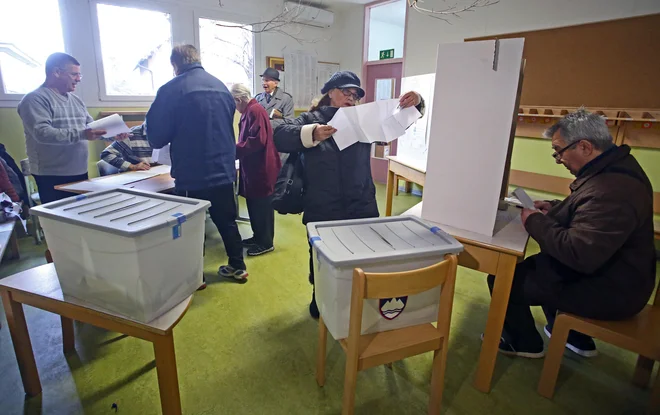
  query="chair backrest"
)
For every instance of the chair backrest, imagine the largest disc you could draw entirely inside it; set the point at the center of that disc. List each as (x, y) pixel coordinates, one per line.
(367, 285)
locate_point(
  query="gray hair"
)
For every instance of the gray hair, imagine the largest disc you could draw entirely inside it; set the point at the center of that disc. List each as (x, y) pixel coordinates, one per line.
(184, 55)
(241, 92)
(582, 125)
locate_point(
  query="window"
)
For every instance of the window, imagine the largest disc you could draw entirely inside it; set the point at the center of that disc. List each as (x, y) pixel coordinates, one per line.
(135, 50)
(227, 52)
(30, 30)
(387, 24)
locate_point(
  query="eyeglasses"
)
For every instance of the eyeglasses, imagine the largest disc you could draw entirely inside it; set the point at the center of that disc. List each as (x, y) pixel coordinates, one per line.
(557, 154)
(348, 93)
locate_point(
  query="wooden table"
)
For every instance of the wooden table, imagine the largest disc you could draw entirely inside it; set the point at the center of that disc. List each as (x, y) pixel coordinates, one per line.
(405, 169)
(496, 255)
(40, 288)
(8, 239)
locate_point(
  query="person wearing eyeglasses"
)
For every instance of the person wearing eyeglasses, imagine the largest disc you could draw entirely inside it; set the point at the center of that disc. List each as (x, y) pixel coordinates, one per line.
(597, 256)
(338, 184)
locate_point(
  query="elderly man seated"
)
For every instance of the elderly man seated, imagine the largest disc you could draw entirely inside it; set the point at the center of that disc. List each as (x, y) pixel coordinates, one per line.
(597, 256)
(132, 154)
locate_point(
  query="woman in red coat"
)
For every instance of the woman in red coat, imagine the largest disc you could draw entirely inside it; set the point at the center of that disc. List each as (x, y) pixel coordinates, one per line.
(259, 166)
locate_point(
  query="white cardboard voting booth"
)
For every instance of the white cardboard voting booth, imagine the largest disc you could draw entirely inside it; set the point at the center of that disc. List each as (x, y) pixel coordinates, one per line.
(389, 244)
(477, 85)
(132, 252)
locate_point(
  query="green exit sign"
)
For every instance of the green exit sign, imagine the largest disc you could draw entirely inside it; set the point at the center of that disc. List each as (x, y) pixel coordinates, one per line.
(387, 54)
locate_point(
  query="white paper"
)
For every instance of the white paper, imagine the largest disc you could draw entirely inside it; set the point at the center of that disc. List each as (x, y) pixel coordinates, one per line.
(413, 145)
(158, 170)
(384, 89)
(162, 155)
(380, 121)
(467, 155)
(300, 77)
(112, 124)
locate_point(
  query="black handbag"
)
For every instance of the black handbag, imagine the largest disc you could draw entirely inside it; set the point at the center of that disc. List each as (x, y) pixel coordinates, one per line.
(290, 186)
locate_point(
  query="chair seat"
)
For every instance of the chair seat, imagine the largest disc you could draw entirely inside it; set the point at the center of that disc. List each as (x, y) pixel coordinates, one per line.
(640, 334)
(389, 346)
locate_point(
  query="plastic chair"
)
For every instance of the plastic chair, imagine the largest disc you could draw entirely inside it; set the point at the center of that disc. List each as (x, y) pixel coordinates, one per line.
(105, 168)
(640, 334)
(33, 199)
(369, 350)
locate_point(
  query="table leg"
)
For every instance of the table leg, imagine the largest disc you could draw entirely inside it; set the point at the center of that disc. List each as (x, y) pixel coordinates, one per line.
(388, 192)
(168, 382)
(68, 338)
(22, 346)
(396, 185)
(498, 305)
(408, 187)
(13, 246)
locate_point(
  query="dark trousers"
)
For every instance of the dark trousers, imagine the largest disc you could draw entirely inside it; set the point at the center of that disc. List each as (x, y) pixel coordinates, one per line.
(46, 186)
(262, 220)
(223, 214)
(519, 328)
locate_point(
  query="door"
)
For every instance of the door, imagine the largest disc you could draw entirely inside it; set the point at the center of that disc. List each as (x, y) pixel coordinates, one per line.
(383, 81)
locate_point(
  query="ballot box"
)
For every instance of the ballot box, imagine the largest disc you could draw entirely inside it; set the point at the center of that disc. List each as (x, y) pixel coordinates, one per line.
(133, 252)
(388, 244)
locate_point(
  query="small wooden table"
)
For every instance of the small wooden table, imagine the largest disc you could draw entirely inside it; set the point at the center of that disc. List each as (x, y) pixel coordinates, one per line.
(159, 184)
(406, 169)
(40, 288)
(496, 255)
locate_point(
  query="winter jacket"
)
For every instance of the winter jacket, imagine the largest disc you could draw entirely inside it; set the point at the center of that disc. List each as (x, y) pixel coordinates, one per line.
(338, 184)
(603, 230)
(194, 112)
(259, 161)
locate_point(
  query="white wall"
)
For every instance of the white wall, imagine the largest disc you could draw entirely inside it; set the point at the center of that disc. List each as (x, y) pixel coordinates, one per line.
(341, 43)
(424, 33)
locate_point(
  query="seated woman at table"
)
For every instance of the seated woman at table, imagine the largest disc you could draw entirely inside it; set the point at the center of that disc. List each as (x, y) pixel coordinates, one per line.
(129, 155)
(259, 165)
(338, 183)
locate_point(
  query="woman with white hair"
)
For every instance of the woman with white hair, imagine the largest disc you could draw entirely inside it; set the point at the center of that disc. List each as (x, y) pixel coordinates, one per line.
(259, 166)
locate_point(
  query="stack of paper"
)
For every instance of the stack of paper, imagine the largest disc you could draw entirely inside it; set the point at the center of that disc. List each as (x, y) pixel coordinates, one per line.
(380, 121)
(112, 124)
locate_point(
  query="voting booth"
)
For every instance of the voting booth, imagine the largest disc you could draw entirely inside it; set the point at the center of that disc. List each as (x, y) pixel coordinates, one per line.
(135, 253)
(388, 244)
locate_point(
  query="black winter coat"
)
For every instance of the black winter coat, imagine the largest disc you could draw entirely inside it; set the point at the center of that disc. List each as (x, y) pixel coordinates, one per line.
(338, 184)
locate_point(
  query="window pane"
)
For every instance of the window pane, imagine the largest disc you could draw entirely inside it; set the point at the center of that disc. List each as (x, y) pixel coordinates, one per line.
(387, 24)
(227, 52)
(135, 46)
(30, 30)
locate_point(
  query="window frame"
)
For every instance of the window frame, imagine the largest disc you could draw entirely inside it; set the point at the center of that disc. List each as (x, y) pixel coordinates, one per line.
(9, 98)
(230, 18)
(103, 95)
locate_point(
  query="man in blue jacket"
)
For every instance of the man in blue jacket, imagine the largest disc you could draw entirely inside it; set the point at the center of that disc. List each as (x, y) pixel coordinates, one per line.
(194, 112)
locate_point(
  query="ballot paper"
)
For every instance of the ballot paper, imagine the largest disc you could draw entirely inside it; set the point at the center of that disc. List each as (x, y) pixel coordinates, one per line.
(380, 121)
(524, 198)
(112, 124)
(162, 155)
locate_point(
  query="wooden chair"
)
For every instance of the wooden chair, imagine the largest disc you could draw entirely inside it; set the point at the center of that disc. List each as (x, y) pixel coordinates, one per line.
(369, 350)
(640, 334)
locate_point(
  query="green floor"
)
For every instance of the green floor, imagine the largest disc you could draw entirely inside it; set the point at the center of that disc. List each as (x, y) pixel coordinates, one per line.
(250, 349)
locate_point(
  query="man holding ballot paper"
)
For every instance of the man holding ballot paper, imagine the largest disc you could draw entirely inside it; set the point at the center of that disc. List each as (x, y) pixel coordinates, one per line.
(338, 182)
(56, 128)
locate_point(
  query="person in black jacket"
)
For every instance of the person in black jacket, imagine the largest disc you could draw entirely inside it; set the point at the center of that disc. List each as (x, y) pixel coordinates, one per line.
(194, 112)
(338, 184)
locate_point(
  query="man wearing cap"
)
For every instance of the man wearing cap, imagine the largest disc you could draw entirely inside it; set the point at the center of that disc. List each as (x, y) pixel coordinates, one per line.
(278, 104)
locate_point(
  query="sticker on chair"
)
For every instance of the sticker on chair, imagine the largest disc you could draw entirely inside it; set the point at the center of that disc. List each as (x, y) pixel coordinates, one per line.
(391, 308)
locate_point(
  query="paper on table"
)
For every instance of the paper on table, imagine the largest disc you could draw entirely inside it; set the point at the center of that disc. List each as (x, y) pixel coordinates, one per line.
(162, 155)
(113, 125)
(380, 121)
(164, 169)
(524, 198)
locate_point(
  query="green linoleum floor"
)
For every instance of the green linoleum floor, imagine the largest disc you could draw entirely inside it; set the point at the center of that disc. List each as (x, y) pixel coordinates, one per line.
(250, 349)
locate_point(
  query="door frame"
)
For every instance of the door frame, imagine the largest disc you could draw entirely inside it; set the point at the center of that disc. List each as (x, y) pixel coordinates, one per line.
(365, 41)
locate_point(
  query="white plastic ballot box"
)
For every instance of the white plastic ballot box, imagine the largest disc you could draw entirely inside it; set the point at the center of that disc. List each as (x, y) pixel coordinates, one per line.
(132, 252)
(388, 244)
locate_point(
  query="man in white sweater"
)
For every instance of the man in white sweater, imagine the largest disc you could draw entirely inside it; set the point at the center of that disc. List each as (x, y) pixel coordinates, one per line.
(55, 124)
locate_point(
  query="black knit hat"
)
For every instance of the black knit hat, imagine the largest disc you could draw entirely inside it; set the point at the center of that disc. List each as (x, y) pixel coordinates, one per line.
(343, 79)
(272, 73)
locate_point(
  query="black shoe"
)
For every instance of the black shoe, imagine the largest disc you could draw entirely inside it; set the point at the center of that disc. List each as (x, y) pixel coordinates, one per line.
(507, 349)
(313, 308)
(577, 342)
(249, 242)
(256, 250)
